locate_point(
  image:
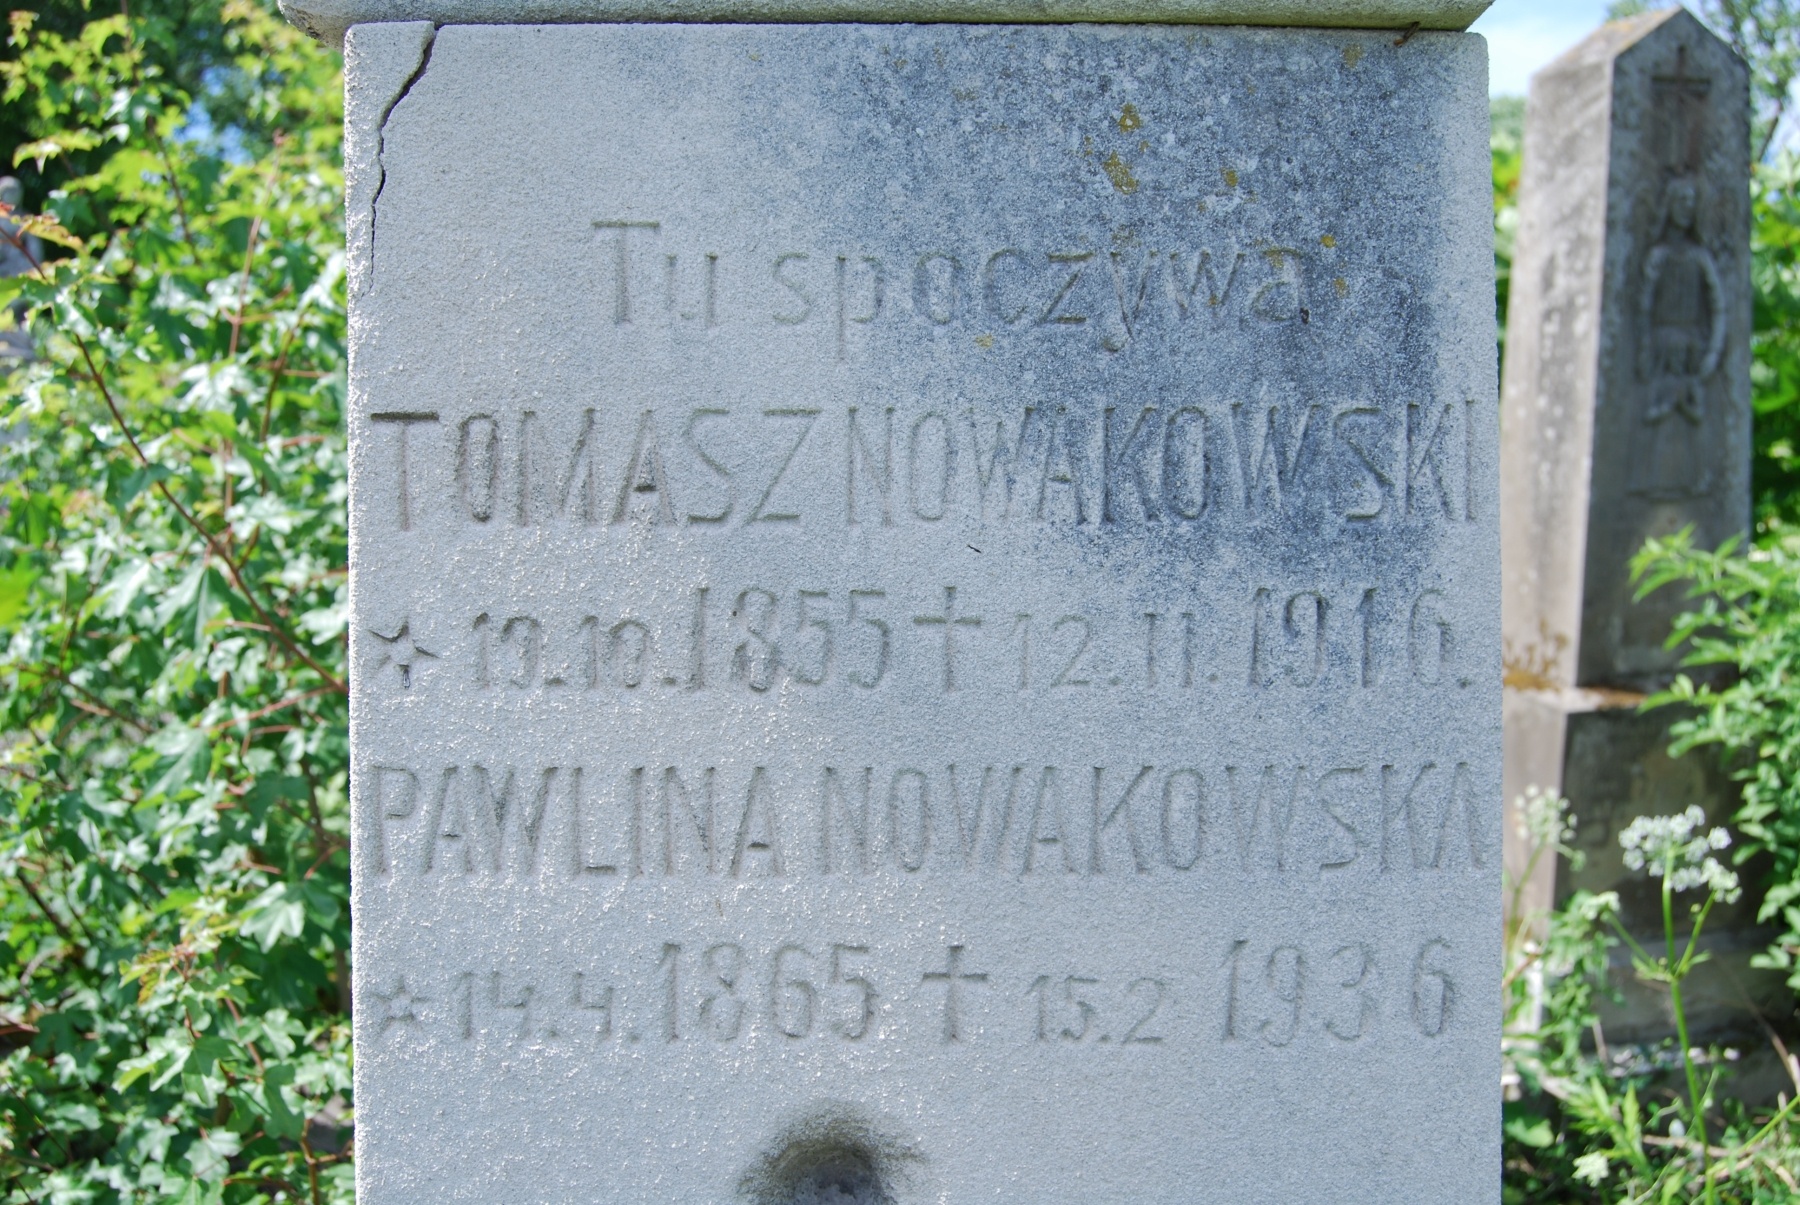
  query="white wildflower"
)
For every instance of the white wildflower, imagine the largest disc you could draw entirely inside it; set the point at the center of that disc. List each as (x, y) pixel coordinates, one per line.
(1543, 817)
(1677, 845)
(1591, 1168)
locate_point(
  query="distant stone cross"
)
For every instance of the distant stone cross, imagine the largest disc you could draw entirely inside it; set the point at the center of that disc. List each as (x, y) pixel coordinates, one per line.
(949, 621)
(953, 977)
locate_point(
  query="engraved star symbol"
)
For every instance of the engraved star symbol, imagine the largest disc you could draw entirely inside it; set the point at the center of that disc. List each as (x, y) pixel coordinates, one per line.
(397, 1006)
(403, 652)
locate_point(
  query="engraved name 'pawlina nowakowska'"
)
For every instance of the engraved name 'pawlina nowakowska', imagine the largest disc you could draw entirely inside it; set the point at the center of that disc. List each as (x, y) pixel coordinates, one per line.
(521, 822)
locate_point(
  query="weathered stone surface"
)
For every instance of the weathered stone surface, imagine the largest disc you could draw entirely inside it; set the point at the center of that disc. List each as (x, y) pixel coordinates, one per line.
(1625, 415)
(328, 19)
(925, 615)
(1626, 406)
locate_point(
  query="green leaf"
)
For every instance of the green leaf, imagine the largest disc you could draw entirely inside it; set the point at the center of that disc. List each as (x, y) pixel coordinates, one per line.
(1532, 1132)
(283, 1122)
(125, 483)
(278, 912)
(210, 1155)
(15, 587)
(186, 755)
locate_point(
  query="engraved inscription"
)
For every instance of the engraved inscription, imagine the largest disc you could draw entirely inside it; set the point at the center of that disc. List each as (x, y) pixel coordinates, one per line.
(652, 275)
(770, 639)
(1278, 995)
(845, 989)
(621, 825)
(1203, 462)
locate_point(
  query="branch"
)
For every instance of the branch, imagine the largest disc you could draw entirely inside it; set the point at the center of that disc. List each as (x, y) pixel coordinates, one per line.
(260, 712)
(280, 634)
(1768, 138)
(61, 926)
(275, 374)
(94, 704)
(187, 236)
(237, 320)
(162, 488)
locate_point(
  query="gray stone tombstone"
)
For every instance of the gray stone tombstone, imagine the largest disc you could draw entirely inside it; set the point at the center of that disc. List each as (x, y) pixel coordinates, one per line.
(1625, 415)
(926, 607)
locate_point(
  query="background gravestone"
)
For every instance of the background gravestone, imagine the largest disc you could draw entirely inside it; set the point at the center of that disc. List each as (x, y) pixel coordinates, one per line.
(925, 612)
(1626, 415)
(15, 260)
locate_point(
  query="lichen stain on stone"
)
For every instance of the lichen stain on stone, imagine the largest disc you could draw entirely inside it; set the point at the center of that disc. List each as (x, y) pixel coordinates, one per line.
(1130, 119)
(1325, 240)
(1119, 173)
(1352, 55)
(1230, 178)
(1199, 206)
(1538, 666)
(1341, 285)
(984, 342)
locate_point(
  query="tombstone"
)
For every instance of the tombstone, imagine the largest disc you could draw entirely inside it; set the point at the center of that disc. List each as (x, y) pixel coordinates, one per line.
(18, 255)
(1626, 415)
(925, 607)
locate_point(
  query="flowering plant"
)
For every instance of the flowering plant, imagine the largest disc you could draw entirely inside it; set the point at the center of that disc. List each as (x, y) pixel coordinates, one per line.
(1679, 851)
(1674, 848)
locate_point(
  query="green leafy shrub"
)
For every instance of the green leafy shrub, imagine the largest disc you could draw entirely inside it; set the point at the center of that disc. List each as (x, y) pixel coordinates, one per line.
(1775, 363)
(173, 867)
(1747, 616)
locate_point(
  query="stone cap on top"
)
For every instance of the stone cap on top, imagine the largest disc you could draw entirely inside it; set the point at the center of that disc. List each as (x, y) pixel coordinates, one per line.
(327, 20)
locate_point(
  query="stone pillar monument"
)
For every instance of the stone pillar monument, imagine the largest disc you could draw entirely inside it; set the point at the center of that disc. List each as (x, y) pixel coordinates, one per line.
(1625, 415)
(926, 601)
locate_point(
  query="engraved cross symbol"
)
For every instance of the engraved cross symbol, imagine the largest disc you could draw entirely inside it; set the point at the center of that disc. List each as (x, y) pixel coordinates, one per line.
(402, 652)
(953, 977)
(1686, 95)
(949, 621)
(1696, 86)
(397, 1006)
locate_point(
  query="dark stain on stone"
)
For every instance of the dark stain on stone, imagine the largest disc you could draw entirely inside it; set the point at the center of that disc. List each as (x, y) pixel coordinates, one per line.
(833, 1156)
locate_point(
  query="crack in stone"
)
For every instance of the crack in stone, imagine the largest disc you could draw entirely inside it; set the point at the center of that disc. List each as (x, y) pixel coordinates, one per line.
(381, 145)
